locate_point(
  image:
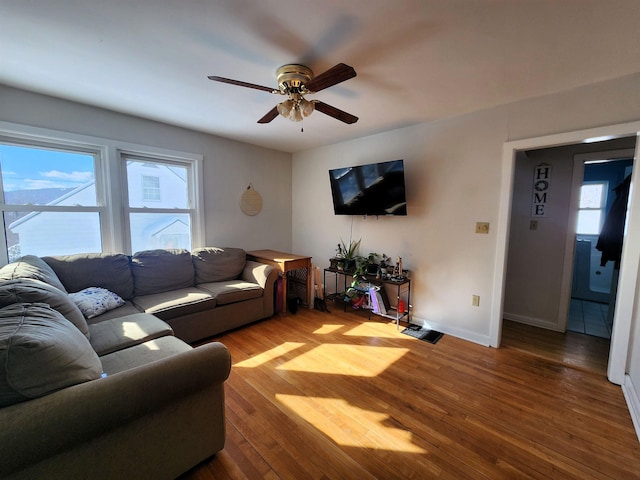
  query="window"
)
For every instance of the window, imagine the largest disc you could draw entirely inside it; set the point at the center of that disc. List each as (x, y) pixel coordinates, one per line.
(79, 194)
(160, 215)
(593, 197)
(150, 188)
(50, 206)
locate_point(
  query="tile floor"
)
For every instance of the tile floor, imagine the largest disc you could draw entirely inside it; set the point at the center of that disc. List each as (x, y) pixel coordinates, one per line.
(589, 317)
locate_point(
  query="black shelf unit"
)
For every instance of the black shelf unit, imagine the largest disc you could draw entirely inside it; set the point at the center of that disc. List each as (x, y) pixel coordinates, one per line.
(401, 287)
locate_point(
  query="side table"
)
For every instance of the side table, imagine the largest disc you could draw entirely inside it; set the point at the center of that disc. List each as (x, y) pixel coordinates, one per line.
(285, 262)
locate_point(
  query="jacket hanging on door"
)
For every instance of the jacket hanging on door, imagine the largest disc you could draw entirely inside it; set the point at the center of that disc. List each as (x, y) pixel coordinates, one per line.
(610, 239)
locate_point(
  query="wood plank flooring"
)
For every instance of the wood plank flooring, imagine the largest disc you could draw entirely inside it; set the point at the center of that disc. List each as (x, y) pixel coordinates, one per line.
(576, 349)
(340, 396)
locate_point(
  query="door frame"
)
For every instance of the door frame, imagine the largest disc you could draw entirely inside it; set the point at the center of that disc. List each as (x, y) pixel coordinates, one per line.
(627, 286)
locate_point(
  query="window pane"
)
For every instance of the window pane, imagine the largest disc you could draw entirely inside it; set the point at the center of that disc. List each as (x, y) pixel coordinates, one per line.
(591, 195)
(160, 230)
(150, 188)
(168, 189)
(589, 222)
(37, 176)
(52, 233)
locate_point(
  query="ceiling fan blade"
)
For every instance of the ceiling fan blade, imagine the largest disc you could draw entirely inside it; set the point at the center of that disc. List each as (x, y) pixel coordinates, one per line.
(335, 112)
(240, 84)
(333, 76)
(271, 114)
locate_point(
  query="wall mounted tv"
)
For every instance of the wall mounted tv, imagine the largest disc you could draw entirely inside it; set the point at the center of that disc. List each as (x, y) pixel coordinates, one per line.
(372, 189)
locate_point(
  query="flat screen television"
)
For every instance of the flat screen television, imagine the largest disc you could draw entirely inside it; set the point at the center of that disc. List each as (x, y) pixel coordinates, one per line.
(372, 189)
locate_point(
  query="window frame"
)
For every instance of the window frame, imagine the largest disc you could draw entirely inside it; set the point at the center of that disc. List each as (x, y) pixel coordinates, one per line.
(109, 177)
(602, 209)
(192, 191)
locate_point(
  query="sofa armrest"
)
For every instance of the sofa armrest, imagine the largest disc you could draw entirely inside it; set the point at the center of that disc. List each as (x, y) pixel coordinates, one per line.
(256, 272)
(265, 276)
(38, 429)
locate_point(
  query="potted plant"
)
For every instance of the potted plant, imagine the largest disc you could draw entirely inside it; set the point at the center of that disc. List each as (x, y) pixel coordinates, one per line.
(372, 264)
(350, 254)
(361, 268)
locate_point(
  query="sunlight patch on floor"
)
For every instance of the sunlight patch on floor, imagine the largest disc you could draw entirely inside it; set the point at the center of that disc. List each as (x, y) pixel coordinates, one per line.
(328, 328)
(269, 355)
(363, 360)
(364, 330)
(374, 433)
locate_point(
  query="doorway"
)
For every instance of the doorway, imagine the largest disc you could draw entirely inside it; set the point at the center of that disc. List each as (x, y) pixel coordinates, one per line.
(628, 280)
(603, 184)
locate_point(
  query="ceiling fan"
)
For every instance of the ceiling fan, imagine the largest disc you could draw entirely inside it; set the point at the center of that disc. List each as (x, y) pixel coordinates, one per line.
(295, 81)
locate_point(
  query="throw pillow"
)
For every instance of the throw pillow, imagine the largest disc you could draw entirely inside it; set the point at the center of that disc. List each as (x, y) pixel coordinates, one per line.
(41, 352)
(93, 301)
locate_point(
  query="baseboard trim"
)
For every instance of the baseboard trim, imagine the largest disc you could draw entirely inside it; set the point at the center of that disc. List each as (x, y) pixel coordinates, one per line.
(633, 402)
(463, 334)
(534, 322)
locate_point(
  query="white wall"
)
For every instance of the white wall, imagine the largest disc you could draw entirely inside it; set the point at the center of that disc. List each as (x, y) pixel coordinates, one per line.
(441, 249)
(453, 171)
(229, 166)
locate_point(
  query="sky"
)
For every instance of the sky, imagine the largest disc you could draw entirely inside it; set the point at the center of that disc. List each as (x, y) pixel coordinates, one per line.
(30, 168)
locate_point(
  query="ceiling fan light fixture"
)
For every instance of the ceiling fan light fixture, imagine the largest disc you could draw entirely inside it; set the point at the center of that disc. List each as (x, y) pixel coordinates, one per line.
(296, 114)
(285, 108)
(307, 107)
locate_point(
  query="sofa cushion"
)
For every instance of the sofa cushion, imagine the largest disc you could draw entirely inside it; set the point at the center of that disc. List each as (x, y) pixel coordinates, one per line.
(214, 264)
(32, 267)
(41, 352)
(175, 303)
(93, 301)
(232, 291)
(27, 290)
(120, 333)
(142, 354)
(156, 271)
(127, 309)
(106, 270)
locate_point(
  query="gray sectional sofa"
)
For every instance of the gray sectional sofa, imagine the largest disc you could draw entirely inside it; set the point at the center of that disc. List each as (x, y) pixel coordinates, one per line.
(97, 378)
(200, 293)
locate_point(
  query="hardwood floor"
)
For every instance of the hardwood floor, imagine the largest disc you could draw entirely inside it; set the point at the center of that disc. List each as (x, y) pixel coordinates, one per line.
(339, 396)
(571, 348)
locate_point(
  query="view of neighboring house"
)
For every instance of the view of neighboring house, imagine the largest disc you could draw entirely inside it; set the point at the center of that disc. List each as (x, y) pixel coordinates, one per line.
(151, 186)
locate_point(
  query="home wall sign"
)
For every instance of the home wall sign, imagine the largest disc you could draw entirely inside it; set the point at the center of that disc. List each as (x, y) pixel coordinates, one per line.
(541, 183)
(251, 201)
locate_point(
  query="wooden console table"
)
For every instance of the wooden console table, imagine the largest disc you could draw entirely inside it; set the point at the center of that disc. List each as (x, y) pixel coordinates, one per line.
(285, 262)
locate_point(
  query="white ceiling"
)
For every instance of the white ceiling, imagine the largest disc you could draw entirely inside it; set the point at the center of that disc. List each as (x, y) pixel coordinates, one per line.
(416, 60)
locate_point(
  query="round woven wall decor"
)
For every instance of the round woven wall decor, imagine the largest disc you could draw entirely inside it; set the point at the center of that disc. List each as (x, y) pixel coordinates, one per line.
(251, 201)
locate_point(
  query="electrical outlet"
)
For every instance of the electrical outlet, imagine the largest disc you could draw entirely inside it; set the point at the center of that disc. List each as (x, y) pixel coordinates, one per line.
(482, 227)
(475, 300)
